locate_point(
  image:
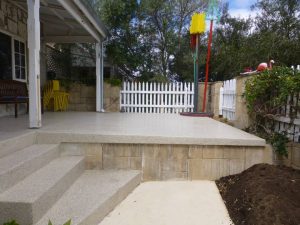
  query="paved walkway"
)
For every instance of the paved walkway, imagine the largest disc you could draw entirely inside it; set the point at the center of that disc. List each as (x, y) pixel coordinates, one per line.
(171, 203)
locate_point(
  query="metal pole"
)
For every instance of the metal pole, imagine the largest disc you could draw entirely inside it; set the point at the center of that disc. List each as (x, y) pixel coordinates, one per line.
(196, 76)
(207, 65)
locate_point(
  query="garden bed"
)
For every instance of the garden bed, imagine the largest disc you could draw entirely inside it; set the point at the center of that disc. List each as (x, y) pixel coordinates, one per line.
(263, 195)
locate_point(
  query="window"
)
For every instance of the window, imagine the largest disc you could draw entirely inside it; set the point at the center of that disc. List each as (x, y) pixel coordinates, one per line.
(20, 60)
(5, 57)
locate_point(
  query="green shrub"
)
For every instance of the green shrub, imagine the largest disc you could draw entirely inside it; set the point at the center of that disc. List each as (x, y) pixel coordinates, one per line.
(66, 223)
(265, 94)
(13, 222)
(279, 141)
(114, 82)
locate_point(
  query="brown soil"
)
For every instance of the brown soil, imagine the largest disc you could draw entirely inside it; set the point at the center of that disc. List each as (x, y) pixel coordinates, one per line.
(263, 195)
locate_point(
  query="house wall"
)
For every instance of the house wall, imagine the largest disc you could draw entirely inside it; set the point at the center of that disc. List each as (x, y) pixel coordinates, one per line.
(13, 19)
(13, 23)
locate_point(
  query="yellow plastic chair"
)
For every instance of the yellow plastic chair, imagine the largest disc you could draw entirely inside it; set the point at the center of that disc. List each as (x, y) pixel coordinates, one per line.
(52, 94)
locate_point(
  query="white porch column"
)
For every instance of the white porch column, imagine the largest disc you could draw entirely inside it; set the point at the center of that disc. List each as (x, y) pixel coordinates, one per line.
(99, 78)
(34, 63)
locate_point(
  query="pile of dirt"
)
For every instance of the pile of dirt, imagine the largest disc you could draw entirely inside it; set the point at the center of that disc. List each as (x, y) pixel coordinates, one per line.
(263, 195)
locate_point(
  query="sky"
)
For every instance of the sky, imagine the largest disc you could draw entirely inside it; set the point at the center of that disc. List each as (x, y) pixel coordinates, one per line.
(241, 8)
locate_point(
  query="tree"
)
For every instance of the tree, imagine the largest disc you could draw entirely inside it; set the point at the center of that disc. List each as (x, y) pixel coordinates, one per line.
(146, 35)
(278, 27)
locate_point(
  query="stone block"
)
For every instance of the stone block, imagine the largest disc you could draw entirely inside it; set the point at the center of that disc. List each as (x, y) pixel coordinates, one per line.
(93, 149)
(224, 167)
(71, 107)
(268, 154)
(91, 108)
(88, 92)
(83, 100)
(234, 152)
(296, 155)
(176, 165)
(116, 163)
(72, 149)
(93, 162)
(136, 163)
(75, 88)
(150, 151)
(90, 101)
(12, 26)
(115, 92)
(213, 152)
(199, 169)
(169, 175)
(196, 152)
(81, 107)
(151, 169)
(22, 30)
(74, 98)
(253, 156)
(236, 166)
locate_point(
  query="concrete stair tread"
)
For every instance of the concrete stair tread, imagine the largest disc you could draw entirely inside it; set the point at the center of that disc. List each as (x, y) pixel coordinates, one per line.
(18, 158)
(35, 185)
(94, 194)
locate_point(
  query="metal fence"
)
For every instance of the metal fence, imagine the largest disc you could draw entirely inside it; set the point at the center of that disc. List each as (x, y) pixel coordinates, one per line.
(136, 97)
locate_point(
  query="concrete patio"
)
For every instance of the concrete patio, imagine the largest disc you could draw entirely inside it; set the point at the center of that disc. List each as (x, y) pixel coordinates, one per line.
(99, 158)
(162, 146)
(133, 128)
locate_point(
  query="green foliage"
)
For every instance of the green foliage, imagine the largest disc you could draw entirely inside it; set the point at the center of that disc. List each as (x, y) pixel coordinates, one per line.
(265, 94)
(159, 79)
(147, 35)
(13, 222)
(114, 82)
(279, 141)
(66, 223)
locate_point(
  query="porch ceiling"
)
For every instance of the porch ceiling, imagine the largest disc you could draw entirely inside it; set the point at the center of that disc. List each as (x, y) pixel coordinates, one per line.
(68, 21)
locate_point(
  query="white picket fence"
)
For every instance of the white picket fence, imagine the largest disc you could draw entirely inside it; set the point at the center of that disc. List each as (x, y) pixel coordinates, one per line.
(136, 97)
(227, 99)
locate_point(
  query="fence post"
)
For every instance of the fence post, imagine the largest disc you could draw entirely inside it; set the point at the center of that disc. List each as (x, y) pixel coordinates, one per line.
(221, 101)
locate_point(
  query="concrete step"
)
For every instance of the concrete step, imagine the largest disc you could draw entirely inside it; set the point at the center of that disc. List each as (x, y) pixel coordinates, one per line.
(18, 165)
(92, 197)
(10, 145)
(29, 200)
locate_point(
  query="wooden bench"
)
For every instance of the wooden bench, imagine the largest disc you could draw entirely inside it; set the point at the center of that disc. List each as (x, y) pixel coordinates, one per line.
(14, 92)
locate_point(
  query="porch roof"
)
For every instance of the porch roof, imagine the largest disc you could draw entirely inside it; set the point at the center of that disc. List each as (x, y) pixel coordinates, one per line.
(68, 21)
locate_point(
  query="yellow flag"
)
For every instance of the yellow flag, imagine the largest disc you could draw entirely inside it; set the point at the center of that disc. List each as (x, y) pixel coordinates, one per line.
(198, 23)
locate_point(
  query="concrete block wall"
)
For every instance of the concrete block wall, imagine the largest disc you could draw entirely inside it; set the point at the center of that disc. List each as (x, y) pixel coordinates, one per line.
(83, 98)
(165, 162)
(111, 98)
(293, 159)
(242, 119)
(212, 98)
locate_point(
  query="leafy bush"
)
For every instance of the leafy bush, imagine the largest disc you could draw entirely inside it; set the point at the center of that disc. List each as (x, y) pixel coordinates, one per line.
(265, 94)
(113, 82)
(13, 222)
(279, 141)
(66, 223)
